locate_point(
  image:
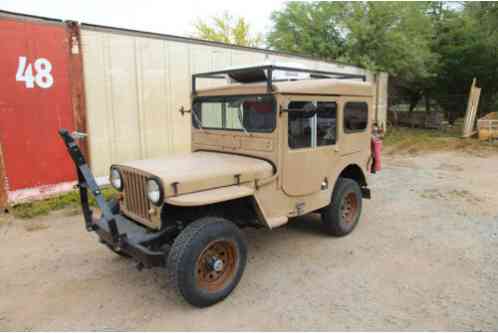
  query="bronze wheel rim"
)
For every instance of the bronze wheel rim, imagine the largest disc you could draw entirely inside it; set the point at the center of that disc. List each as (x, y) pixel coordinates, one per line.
(349, 208)
(216, 265)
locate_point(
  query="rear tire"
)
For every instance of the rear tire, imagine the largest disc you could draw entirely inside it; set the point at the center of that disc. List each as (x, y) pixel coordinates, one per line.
(341, 216)
(207, 260)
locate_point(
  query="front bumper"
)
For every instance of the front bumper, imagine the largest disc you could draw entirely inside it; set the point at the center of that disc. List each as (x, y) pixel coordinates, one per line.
(133, 240)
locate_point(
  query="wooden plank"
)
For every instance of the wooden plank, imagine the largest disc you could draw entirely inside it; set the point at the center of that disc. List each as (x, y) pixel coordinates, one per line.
(467, 113)
(477, 95)
(470, 115)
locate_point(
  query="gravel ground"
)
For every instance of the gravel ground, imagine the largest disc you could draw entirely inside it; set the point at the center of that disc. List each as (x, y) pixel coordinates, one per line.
(424, 256)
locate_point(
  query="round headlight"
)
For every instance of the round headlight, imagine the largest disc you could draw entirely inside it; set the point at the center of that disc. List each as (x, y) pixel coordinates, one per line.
(116, 180)
(154, 191)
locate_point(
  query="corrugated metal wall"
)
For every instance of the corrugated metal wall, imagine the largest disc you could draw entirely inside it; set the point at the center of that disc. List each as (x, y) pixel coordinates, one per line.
(35, 102)
(136, 83)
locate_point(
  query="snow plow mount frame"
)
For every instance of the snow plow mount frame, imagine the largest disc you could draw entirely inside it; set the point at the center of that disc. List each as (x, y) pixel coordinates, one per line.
(120, 233)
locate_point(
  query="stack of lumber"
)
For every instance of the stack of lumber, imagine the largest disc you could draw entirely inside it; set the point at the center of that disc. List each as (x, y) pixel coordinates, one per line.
(487, 126)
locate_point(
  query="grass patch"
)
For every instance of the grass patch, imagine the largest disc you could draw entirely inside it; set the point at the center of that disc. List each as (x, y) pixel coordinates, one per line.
(67, 200)
(33, 226)
(3, 219)
(415, 140)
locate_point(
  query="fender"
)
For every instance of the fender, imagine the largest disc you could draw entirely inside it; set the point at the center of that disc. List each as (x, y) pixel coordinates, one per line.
(353, 171)
(211, 196)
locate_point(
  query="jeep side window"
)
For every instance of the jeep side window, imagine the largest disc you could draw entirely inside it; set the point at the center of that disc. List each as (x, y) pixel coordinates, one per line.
(212, 115)
(355, 116)
(300, 125)
(326, 123)
(312, 129)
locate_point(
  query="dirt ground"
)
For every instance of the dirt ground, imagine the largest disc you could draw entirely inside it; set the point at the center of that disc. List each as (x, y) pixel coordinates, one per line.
(424, 256)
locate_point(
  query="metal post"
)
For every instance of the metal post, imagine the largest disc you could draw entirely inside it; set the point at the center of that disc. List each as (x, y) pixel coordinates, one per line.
(77, 83)
(3, 181)
(270, 80)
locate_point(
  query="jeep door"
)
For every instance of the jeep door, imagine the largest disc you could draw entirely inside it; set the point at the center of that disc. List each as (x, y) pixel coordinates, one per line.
(310, 144)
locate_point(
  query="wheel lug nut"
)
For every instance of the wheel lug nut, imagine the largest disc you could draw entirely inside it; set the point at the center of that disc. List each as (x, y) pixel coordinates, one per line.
(215, 264)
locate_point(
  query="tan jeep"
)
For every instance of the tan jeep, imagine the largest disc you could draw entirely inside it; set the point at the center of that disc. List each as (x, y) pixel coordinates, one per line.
(264, 150)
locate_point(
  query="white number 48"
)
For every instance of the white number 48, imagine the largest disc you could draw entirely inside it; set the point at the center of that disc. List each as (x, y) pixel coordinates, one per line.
(42, 77)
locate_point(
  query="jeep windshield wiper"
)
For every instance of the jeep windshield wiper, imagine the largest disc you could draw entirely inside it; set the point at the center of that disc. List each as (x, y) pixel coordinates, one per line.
(239, 115)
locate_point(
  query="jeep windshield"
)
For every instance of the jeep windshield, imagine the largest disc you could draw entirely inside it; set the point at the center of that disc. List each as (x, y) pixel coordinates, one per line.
(235, 113)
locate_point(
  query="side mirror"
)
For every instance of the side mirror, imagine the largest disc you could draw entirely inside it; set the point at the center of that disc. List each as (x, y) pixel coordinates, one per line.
(182, 110)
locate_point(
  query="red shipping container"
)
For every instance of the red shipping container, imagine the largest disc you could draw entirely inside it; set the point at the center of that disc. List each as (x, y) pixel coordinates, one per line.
(35, 101)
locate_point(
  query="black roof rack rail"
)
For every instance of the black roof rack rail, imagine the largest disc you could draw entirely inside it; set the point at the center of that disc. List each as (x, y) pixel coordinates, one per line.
(316, 74)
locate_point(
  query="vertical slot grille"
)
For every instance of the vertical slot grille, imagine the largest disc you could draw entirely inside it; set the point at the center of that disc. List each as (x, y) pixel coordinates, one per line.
(135, 197)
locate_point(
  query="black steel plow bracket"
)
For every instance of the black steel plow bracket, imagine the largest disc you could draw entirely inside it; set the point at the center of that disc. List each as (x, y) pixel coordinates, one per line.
(86, 181)
(131, 238)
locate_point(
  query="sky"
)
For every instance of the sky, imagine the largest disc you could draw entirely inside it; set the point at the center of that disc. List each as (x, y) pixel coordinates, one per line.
(168, 17)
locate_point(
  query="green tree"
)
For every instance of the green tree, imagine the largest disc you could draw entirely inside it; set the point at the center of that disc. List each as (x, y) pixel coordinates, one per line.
(313, 28)
(467, 44)
(227, 29)
(430, 49)
(387, 36)
(396, 38)
(381, 36)
(393, 37)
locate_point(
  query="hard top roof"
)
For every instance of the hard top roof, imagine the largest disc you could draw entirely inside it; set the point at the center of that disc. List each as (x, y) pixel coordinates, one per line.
(301, 87)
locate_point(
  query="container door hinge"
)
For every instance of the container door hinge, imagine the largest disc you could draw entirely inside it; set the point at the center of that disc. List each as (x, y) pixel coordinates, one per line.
(75, 45)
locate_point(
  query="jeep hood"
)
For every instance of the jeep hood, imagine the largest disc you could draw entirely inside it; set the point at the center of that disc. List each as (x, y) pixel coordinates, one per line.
(198, 171)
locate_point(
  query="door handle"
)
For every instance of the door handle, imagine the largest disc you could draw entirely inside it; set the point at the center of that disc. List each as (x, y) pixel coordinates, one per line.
(336, 149)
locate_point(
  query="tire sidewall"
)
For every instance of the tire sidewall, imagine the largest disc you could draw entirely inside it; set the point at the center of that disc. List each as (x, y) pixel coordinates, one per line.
(186, 274)
(348, 186)
(333, 219)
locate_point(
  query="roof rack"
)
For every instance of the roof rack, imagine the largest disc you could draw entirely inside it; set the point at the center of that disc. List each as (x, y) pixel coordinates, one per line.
(263, 73)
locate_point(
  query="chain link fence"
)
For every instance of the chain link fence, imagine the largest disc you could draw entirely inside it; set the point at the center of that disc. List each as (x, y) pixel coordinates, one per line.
(436, 113)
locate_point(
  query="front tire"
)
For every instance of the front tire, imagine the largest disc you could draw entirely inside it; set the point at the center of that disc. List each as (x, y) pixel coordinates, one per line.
(341, 216)
(207, 260)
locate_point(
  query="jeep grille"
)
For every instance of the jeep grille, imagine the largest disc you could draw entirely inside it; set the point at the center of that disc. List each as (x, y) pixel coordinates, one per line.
(136, 203)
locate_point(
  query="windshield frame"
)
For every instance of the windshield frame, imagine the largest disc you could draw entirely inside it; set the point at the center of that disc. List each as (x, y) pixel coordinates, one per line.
(223, 98)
